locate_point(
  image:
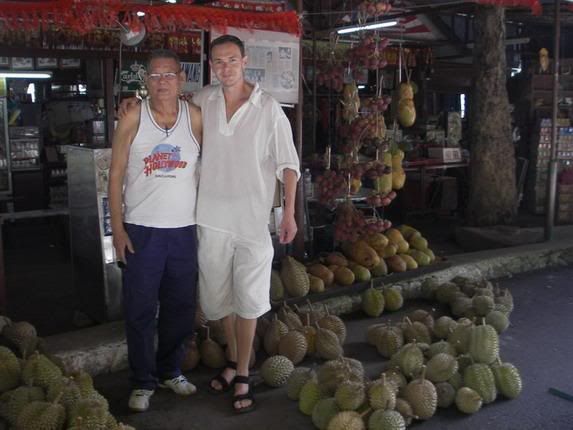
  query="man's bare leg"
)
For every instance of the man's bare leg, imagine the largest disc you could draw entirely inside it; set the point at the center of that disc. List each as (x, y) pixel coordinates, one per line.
(245, 335)
(229, 324)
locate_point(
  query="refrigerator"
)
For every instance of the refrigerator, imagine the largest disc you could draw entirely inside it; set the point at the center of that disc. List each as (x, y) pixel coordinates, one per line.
(97, 277)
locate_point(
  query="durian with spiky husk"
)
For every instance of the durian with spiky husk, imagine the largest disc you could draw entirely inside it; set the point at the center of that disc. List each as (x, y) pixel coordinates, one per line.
(10, 370)
(334, 372)
(92, 413)
(386, 420)
(289, 317)
(498, 320)
(441, 367)
(381, 394)
(294, 277)
(273, 334)
(422, 396)
(350, 396)
(323, 412)
(410, 359)
(297, 379)
(422, 316)
(507, 379)
(212, 354)
(429, 288)
(41, 415)
(468, 401)
(461, 306)
(460, 336)
(416, 331)
(372, 333)
(327, 344)
(293, 345)
(373, 302)
(480, 378)
(443, 326)
(389, 340)
(277, 288)
(393, 299)
(346, 420)
(484, 344)
(309, 396)
(405, 409)
(483, 305)
(276, 370)
(445, 292)
(441, 347)
(309, 333)
(12, 402)
(505, 299)
(23, 336)
(333, 323)
(39, 370)
(66, 389)
(446, 394)
(457, 381)
(395, 377)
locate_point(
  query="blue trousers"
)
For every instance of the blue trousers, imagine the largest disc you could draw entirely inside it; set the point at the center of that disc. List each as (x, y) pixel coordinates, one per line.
(160, 276)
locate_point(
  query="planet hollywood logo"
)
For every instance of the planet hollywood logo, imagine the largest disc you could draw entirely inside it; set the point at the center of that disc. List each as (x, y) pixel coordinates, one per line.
(164, 158)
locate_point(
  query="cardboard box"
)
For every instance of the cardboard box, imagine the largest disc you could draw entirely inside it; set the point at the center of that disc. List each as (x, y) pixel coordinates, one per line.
(447, 155)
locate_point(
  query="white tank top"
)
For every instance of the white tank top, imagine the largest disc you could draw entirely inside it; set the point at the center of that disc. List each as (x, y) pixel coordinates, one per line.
(162, 172)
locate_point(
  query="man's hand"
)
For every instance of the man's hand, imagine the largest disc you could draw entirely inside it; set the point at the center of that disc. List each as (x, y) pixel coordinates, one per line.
(287, 229)
(121, 241)
(126, 105)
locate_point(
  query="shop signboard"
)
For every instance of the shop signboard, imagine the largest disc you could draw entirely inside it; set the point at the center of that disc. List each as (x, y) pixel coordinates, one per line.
(132, 74)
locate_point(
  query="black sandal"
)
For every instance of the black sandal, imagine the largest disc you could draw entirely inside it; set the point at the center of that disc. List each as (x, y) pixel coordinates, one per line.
(240, 379)
(225, 385)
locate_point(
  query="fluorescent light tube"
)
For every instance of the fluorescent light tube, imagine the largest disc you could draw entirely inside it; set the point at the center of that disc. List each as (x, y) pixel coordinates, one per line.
(26, 75)
(373, 26)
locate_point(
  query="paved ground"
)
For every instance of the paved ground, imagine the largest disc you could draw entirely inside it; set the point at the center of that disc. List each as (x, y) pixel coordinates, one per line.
(538, 342)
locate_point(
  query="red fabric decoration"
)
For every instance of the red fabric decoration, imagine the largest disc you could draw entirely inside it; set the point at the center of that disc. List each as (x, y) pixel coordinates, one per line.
(534, 5)
(84, 16)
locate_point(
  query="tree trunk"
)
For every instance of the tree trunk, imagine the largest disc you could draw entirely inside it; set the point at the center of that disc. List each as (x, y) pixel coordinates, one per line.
(493, 193)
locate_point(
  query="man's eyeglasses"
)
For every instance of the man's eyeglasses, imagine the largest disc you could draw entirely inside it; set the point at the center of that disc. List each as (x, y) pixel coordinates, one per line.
(168, 76)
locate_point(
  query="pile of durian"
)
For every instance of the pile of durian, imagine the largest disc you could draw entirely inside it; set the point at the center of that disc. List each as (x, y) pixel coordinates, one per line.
(433, 363)
(36, 393)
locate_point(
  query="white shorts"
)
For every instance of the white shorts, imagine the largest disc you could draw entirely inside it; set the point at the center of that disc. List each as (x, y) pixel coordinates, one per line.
(234, 275)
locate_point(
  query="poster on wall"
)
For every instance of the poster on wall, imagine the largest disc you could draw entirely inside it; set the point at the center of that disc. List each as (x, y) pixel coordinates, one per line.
(193, 81)
(273, 61)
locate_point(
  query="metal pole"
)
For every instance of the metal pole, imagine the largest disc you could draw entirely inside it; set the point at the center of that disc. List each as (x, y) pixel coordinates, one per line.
(553, 163)
(298, 245)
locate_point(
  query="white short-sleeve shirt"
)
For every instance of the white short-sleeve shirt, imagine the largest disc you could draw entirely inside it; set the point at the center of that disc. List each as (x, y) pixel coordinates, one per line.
(240, 161)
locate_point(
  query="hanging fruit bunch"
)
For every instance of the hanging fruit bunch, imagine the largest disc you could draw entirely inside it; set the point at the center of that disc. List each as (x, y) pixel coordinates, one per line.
(376, 104)
(350, 102)
(369, 53)
(331, 186)
(406, 107)
(331, 76)
(373, 8)
(381, 175)
(349, 222)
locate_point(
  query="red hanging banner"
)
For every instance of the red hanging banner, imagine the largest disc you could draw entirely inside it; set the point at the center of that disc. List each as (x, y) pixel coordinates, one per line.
(534, 5)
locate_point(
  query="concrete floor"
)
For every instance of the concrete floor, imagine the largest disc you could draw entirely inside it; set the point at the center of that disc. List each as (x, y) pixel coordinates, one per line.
(538, 343)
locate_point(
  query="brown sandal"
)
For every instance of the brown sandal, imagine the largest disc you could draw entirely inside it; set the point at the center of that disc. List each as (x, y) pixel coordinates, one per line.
(240, 379)
(225, 385)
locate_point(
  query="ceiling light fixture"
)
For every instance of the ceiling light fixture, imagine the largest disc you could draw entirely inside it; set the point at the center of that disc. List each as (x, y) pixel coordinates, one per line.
(373, 26)
(26, 75)
(140, 13)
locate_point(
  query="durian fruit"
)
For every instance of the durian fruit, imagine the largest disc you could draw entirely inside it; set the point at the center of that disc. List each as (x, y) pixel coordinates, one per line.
(276, 370)
(217, 331)
(23, 336)
(10, 370)
(346, 420)
(410, 359)
(386, 420)
(191, 356)
(395, 377)
(506, 299)
(443, 326)
(389, 340)
(484, 344)
(498, 320)
(327, 344)
(12, 402)
(405, 409)
(277, 288)
(480, 378)
(393, 299)
(422, 316)
(460, 336)
(462, 306)
(323, 412)
(483, 305)
(429, 288)
(334, 372)
(441, 367)
(422, 396)
(39, 370)
(446, 394)
(65, 389)
(40, 415)
(372, 302)
(446, 291)
(372, 333)
(309, 396)
(293, 345)
(289, 317)
(309, 333)
(93, 414)
(296, 380)
(262, 326)
(507, 379)
(294, 277)
(464, 360)
(212, 354)
(456, 381)
(468, 401)
(350, 396)
(416, 331)
(381, 394)
(333, 323)
(275, 331)
(441, 347)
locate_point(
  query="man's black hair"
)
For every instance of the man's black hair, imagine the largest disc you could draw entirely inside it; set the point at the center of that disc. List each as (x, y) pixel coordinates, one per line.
(227, 38)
